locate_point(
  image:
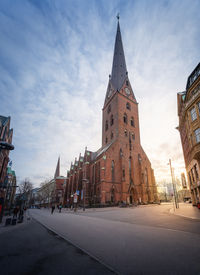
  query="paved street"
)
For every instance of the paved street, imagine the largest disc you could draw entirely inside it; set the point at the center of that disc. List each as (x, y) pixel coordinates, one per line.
(140, 240)
(31, 249)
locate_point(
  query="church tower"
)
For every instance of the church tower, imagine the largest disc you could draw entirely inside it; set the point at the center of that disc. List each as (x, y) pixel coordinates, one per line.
(119, 171)
(120, 130)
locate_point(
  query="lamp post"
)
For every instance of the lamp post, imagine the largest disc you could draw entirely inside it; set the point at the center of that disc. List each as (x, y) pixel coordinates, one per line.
(173, 184)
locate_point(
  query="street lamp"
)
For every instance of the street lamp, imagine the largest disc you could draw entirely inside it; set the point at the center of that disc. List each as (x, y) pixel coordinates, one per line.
(174, 186)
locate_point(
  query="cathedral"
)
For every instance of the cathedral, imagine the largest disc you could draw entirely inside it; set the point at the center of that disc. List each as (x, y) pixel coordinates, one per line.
(120, 171)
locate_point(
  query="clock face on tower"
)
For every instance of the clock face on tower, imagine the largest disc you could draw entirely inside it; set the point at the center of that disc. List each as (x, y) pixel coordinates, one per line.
(127, 91)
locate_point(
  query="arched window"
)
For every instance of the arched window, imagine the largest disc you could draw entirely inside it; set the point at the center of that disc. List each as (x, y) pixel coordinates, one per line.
(133, 136)
(106, 139)
(109, 109)
(113, 170)
(125, 133)
(125, 118)
(111, 135)
(132, 122)
(128, 106)
(106, 127)
(111, 120)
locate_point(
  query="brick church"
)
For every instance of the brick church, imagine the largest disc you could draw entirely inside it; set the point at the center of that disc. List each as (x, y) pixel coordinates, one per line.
(119, 171)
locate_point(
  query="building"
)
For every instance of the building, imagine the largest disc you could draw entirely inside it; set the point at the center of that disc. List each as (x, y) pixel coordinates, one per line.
(10, 188)
(119, 171)
(51, 191)
(189, 128)
(5, 135)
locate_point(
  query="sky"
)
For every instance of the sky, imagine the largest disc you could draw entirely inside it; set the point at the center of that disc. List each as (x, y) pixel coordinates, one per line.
(55, 61)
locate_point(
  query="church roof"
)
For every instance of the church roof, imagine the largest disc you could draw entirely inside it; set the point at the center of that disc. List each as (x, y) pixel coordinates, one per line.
(119, 71)
(57, 172)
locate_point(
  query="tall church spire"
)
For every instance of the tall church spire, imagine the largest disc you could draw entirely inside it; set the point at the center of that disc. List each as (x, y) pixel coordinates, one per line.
(57, 172)
(119, 71)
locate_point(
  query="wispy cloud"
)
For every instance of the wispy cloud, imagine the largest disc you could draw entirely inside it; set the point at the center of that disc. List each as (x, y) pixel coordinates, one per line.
(55, 60)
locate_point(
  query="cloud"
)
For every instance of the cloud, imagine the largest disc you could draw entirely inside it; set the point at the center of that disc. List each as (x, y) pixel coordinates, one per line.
(55, 61)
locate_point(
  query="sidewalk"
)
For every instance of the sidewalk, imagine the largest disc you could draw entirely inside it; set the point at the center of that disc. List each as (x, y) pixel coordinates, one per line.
(187, 210)
(10, 227)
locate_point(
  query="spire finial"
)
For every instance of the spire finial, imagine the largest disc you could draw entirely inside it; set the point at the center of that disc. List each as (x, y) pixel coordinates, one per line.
(118, 16)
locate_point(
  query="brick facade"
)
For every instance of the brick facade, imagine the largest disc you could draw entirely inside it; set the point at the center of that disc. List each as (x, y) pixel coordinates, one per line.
(119, 171)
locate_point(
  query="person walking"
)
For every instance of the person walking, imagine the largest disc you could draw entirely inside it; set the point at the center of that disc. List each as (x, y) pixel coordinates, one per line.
(60, 208)
(15, 212)
(52, 208)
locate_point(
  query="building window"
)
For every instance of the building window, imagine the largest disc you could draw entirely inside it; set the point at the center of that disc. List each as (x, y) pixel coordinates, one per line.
(128, 106)
(196, 172)
(125, 133)
(127, 83)
(197, 134)
(132, 122)
(123, 172)
(106, 140)
(111, 120)
(113, 170)
(125, 118)
(193, 114)
(106, 127)
(109, 109)
(133, 136)
(111, 135)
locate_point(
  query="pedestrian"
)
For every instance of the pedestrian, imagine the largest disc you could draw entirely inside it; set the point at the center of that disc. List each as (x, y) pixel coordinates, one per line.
(60, 208)
(15, 212)
(52, 208)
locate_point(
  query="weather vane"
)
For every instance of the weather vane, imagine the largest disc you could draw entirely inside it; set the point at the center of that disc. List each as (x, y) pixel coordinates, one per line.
(117, 16)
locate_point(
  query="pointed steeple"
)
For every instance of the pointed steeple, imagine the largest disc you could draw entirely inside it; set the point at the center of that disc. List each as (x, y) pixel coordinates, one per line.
(57, 172)
(119, 71)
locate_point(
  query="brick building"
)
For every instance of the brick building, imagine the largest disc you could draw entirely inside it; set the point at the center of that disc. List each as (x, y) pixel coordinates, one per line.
(189, 128)
(119, 171)
(5, 135)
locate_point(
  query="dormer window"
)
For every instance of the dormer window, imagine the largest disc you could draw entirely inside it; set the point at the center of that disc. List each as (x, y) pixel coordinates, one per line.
(111, 120)
(125, 118)
(128, 106)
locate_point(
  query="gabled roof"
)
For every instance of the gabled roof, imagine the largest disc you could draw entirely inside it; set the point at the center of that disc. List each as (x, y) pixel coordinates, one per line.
(119, 71)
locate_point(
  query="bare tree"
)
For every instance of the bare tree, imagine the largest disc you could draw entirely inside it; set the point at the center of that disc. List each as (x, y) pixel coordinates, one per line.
(24, 189)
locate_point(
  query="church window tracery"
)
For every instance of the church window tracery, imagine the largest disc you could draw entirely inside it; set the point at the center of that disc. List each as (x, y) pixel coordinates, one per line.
(132, 122)
(125, 118)
(111, 120)
(113, 170)
(106, 127)
(128, 106)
